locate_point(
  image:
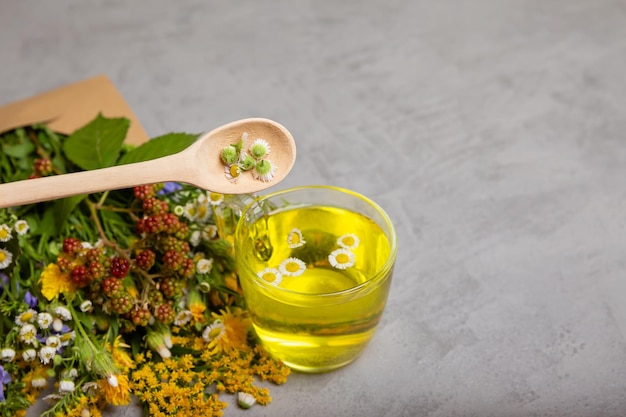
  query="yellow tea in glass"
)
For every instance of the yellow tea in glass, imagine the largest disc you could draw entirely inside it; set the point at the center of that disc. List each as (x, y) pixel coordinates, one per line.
(315, 265)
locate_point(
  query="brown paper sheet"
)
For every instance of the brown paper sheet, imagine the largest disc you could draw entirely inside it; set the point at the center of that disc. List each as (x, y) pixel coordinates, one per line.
(68, 108)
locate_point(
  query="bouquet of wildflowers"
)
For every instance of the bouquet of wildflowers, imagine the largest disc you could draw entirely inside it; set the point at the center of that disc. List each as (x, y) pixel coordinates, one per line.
(123, 293)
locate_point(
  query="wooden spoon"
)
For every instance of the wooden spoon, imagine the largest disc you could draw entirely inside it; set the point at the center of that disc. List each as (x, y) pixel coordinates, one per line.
(199, 165)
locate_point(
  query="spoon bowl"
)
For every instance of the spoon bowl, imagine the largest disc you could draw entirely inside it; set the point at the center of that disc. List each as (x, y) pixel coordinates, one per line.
(199, 165)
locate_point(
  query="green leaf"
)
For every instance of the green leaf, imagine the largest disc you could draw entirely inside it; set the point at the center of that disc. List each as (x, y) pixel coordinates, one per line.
(63, 208)
(97, 144)
(19, 150)
(160, 146)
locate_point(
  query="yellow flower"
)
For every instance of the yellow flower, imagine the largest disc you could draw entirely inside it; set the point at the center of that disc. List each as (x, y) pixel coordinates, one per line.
(233, 332)
(120, 357)
(54, 282)
(118, 395)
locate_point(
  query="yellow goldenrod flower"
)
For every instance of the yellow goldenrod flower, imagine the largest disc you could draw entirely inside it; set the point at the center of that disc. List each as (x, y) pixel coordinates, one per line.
(54, 282)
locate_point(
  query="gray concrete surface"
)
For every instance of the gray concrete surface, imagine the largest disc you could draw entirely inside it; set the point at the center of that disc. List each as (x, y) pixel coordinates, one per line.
(492, 131)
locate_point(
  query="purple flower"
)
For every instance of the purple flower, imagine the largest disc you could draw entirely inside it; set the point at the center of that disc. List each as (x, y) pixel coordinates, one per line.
(169, 187)
(30, 299)
(5, 378)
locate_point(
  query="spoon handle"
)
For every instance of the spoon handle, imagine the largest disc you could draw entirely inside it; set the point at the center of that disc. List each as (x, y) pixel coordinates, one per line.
(84, 182)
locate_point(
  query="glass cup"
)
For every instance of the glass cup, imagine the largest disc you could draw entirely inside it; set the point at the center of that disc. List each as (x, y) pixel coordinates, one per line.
(315, 265)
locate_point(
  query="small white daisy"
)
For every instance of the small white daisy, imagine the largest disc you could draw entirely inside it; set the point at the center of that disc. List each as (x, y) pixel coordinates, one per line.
(66, 385)
(203, 212)
(54, 342)
(259, 148)
(85, 306)
(216, 199)
(194, 239)
(63, 313)
(295, 239)
(271, 275)
(7, 354)
(292, 267)
(66, 338)
(72, 373)
(183, 317)
(203, 266)
(5, 233)
(29, 355)
(202, 198)
(214, 331)
(21, 227)
(39, 382)
(264, 170)
(44, 320)
(5, 258)
(46, 354)
(57, 325)
(190, 211)
(28, 334)
(209, 232)
(232, 172)
(348, 241)
(341, 258)
(25, 317)
(179, 210)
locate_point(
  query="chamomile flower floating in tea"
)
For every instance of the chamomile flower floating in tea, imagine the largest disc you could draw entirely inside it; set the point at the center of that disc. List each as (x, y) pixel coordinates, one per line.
(295, 239)
(341, 258)
(271, 275)
(348, 241)
(292, 267)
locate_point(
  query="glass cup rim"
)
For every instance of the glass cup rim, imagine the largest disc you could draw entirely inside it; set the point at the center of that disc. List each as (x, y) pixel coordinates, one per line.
(382, 271)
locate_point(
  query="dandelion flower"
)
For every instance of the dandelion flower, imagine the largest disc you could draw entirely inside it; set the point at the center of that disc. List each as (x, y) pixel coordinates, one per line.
(216, 199)
(213, 331)
(348, 241)
(46, 354)
(264, 170)
(341, 258)
(271, 275)
(203, 266)
(5, 233)
(44, 320)
(28, 334)
(115, 395)
(21, 227)
(25, 317)
(7, 354)
(295, 239)
(259, 148)
(55, 282)
(5, 258)
(293, 267)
